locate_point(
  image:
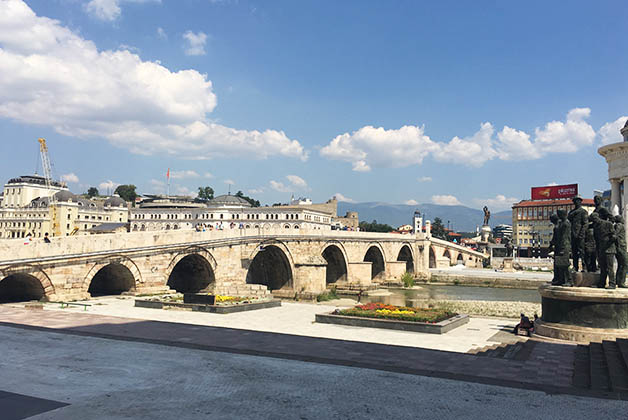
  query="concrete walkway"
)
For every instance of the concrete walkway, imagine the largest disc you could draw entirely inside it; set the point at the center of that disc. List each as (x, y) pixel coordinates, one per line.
(114, 379)
(298, 319)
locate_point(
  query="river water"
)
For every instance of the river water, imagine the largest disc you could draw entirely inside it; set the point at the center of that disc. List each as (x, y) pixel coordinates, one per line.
(408, 297)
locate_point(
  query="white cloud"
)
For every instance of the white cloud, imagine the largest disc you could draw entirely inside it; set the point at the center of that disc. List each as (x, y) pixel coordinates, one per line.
(137, 105)
(411, 202)
(108, 186)
(471, 151)
(516, 145)
(183, 174)
(229, 181)
(425, 179)
(181, 190)
(445, 200)
(344, 199)
(568, 136)
(208, 175)
(279, 186)
(195, 43)
(376, 147)
(297, 181)
(158, 186)
(71, 177)
(107, 10)
(609, 132)
(371, 147)
(161, 33)
(498, 203)
(256, 190)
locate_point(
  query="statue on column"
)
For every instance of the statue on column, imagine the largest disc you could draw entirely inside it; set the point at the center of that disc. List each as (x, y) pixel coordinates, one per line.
(487, 215)
(578, 218)
(562, 248)
(607, 249)
(620, 256)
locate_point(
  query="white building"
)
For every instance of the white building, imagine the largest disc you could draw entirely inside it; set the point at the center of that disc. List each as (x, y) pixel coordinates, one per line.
(29, 208)
(225, 212)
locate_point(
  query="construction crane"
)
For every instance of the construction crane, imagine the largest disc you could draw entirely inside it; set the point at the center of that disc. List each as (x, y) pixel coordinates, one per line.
(45, 163)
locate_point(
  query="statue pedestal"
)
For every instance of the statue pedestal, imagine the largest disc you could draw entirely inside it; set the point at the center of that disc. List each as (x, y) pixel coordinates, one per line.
(507, 265)
(583, 314)
(585, 279)
(485, 233)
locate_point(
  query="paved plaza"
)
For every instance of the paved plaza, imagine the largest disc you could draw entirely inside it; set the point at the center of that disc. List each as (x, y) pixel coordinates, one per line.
(117, 361)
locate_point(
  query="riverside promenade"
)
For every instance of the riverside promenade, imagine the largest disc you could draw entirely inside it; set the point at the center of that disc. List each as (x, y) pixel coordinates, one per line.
(117, 361)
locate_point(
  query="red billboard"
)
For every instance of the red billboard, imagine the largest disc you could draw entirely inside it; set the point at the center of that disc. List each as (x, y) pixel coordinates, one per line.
(554, 192)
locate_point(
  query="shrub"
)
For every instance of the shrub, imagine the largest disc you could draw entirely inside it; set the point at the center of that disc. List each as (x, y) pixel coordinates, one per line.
(328, 295)
(407, 279)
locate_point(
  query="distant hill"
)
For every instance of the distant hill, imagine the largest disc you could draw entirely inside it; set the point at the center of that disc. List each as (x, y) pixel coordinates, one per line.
(462, 218)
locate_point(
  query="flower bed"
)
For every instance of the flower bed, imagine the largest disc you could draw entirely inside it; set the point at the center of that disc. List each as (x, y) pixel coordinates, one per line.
(400, 313)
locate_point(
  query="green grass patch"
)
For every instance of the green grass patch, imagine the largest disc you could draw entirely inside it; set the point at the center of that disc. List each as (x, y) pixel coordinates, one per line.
(328, 295)
(407, 279)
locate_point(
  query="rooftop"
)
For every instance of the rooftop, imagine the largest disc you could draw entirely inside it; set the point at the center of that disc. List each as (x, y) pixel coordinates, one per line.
(534, 203)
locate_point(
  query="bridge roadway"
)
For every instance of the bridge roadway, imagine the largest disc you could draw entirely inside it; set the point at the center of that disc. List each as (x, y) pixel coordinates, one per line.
(232, 261)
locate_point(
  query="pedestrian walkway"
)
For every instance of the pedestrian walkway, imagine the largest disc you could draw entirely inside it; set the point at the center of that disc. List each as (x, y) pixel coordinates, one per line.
(548, 367)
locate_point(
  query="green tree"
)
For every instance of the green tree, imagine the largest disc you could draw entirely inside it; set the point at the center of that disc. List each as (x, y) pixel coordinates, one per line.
(438, 230)
(92, 192)
(127, 192)
(205, 193)
(253, 202)
(375, 227)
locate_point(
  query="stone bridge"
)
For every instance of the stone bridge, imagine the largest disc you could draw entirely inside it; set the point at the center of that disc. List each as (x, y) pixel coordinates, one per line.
(242, 261)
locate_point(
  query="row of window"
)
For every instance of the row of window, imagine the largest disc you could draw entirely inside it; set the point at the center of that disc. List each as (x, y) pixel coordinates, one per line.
(542, 213)
(223, 216)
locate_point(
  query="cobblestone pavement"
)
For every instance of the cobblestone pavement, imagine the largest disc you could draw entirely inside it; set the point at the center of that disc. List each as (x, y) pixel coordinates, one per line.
(115, 379)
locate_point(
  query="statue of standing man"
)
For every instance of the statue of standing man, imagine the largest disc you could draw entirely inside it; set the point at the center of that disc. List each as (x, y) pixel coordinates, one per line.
(487, 215)
(578, 218)
(562, 247)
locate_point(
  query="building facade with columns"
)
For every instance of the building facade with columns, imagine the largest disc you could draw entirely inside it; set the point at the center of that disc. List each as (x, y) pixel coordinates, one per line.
(616, 155)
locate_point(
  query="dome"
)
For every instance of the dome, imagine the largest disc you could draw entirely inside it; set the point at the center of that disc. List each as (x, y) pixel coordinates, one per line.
(229, 200)
(64, 195)
(115, 201)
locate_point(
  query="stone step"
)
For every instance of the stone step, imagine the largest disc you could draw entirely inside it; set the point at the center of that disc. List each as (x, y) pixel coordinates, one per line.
(617, 371)
(581, 372)
(598, 368)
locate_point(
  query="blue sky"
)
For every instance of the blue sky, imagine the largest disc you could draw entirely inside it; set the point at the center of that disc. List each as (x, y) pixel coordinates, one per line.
(408, 101)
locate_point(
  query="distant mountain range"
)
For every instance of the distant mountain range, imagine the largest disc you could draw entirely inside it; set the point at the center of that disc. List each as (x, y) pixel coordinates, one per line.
(461, 218)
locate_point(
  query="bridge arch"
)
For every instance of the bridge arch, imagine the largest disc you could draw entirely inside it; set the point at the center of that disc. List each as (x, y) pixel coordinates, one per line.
(432, 263)
(335, 255)
(375, 255)
(272, 265)
(447, 255)
(28, 283)
(460, 259)
(191, 271)
(112, 276)
(406, 254)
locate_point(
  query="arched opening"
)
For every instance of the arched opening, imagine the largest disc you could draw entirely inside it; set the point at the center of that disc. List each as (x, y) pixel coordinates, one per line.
(447, 255)
(375, 257)
(20, 288)
(336, 265)
(192, 274)
(405, 254)
(112, 279)
(460, 259)
(271, 268)
(432, 258)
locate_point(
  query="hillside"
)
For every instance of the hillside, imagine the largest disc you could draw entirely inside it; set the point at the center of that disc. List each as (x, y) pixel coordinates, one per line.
(461, 218)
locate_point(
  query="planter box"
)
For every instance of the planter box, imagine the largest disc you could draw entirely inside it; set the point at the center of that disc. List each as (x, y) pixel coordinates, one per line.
(199, 298)
(217, 309)
(390, 324)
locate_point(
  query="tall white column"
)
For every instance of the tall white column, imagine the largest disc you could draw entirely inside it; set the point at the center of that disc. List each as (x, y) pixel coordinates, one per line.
(615, 198)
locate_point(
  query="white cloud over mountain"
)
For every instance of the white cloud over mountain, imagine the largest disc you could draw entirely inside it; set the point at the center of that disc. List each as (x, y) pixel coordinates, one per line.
(371, 147)
(497, 203)
(446, 200)
(51, 76)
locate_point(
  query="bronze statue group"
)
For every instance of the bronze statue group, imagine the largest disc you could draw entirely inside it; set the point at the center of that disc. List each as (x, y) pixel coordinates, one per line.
(596, 240)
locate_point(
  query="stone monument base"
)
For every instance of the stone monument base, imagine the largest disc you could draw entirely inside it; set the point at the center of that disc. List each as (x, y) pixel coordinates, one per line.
(583, 314)
(507, 265)
(585, 279)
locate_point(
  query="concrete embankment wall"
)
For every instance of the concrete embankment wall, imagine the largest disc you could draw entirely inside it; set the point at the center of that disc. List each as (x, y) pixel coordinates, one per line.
(487, 281)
